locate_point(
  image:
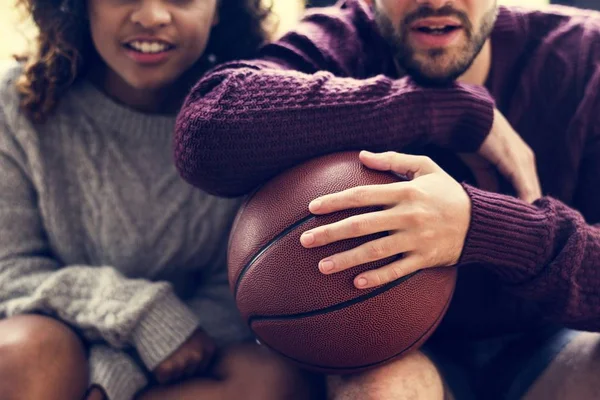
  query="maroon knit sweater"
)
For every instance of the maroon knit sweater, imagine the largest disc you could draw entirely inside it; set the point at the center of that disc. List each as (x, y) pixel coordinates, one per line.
(331, 85)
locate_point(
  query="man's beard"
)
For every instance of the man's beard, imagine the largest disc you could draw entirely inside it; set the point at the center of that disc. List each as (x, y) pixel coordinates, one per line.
(433, 67)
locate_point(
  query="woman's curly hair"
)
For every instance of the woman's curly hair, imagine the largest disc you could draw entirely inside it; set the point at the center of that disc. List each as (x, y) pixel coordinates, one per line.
(64, 46)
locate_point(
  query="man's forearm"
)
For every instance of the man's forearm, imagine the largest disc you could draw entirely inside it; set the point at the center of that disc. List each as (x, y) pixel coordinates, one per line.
(545, 252)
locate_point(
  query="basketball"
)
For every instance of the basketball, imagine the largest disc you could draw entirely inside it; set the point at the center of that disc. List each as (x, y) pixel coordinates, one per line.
(323, 322)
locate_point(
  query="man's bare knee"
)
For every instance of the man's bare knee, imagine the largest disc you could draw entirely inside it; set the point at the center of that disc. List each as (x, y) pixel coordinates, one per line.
(41, 358)
(412, 377)
(573, 374)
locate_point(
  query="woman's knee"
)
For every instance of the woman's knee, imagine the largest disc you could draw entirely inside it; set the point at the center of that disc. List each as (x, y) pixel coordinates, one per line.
(41, 358)
(411, 377)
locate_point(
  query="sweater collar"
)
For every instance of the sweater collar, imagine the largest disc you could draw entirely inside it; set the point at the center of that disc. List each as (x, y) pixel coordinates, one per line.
(117, 117)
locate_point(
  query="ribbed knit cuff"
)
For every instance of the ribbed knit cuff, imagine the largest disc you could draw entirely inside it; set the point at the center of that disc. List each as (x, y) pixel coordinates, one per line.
(166, 326)
(506, 234)
(462, 117)
(115, 372)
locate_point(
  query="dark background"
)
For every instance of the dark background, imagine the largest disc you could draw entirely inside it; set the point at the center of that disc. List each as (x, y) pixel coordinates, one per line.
(593, 4)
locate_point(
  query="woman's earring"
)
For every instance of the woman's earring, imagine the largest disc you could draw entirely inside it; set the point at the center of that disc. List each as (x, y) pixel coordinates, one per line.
(65, 7)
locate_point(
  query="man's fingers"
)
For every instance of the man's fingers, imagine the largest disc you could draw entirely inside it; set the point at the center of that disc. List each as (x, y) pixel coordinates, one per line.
(526, 184)
(357, 197)
(389, 273)
(374, 250)
(376, 195)
(351, 227)
(407, 165)
(532, 191)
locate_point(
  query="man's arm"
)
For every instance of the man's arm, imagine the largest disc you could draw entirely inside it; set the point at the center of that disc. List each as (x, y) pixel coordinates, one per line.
(309, 94)
(546, 252)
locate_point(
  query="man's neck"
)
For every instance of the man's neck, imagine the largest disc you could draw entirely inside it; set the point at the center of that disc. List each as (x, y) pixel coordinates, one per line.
(478, 72)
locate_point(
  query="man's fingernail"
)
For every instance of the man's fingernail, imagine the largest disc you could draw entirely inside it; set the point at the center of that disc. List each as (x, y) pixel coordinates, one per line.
(326, 266)
(361, 282)
(315, 205)
(307, 238)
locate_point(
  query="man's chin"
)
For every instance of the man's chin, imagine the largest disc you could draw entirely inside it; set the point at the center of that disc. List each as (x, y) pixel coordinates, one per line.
(433, 72)
(432, 78)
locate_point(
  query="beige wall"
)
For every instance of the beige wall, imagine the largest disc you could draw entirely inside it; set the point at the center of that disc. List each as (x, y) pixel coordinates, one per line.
(11, 40)
(14, 30)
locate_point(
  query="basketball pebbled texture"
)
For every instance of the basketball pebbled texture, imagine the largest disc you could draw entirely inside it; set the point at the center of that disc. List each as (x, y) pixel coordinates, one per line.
(322, 322)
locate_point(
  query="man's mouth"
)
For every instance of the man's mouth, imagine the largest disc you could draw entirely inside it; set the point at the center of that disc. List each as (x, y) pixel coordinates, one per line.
(436, 26)
(437, 30)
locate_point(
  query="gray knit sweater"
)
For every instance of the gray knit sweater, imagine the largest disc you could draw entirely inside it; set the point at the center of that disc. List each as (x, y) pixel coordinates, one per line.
(98, 230)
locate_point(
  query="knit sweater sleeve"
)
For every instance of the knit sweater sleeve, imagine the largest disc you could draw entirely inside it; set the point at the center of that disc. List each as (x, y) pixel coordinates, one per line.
(119, 376)
(548, 252)
(98, 301)
(310, 94)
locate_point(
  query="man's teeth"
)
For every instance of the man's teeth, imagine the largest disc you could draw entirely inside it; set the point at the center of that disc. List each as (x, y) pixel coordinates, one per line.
(148, 47)
(437, 29)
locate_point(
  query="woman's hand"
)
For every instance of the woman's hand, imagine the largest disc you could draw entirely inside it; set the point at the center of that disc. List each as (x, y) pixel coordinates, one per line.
(190, 359)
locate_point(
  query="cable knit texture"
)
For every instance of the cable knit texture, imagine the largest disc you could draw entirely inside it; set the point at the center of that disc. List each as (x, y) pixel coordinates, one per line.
(331, 85)
(98, 229)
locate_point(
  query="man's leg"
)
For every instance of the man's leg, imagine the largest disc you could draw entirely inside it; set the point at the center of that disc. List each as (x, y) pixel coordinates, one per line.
(412, 377)
(574, 373)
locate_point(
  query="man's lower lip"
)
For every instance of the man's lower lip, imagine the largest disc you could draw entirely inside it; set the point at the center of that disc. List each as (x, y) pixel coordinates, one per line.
(428, 40)
(148, 58)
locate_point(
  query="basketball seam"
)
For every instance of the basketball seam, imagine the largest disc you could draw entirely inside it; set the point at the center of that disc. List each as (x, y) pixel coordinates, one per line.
(266, 247)
(359, 367)
(335, 307)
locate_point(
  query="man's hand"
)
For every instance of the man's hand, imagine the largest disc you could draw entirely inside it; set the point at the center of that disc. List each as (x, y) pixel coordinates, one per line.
(505, 149)
(190, 359)
(427, 219)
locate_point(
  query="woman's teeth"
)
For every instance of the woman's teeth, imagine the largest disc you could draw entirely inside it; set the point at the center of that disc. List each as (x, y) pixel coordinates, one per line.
(148, 47)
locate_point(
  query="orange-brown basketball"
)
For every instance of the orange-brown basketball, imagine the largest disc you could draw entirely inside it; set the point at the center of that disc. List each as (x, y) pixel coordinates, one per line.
(322, 322)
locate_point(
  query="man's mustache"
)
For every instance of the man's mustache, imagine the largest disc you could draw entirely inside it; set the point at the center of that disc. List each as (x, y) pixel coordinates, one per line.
(446, 11)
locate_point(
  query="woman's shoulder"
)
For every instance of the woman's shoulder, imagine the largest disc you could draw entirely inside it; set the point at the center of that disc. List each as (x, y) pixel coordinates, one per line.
(10, 71)
(16, 130)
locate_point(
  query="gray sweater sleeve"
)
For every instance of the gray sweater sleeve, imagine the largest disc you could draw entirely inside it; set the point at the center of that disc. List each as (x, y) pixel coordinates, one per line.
(99, 301)
(115, 372)
(121, 378)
